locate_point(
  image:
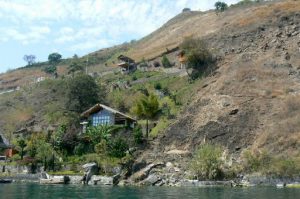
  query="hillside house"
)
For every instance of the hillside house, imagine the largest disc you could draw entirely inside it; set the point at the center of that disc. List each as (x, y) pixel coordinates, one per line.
(182, 59)
(126, 64)
(104, 115)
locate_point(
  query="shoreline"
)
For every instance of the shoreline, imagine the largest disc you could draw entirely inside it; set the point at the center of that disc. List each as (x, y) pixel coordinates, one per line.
(97, 180)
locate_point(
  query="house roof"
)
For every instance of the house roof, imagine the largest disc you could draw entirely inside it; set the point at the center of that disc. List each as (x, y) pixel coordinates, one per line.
(125, 59)
(99, 107)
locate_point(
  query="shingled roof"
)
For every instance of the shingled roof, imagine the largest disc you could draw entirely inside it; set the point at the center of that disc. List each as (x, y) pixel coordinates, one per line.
(99, 107)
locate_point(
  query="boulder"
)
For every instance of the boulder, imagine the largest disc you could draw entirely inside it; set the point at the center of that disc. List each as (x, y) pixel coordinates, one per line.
(90, 170)
(101, 180)
(143, 173)
(151, 180)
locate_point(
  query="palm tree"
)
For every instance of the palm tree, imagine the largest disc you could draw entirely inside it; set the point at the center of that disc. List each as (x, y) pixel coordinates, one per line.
(147, 107)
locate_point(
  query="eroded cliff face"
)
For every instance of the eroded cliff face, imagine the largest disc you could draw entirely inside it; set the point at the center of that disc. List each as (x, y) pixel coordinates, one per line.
(251, 100)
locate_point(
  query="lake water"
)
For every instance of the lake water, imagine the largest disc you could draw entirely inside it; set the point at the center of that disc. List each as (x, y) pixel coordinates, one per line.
(36, 191)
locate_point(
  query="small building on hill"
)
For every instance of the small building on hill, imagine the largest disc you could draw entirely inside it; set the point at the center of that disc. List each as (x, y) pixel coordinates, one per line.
(182, 59)
(104, 115)
(126, 64)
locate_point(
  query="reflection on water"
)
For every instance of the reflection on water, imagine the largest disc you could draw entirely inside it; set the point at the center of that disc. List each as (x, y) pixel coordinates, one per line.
(36, 191)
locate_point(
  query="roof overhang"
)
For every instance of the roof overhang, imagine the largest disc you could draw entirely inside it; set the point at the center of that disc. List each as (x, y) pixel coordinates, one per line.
(99, 107)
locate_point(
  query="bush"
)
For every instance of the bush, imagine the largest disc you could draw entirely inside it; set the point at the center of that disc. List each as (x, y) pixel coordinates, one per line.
(157, 86)
(255, 161)
(138, 135)
(285, 167)
(207, 162)
(165, 62)
(272, 166)
(118, 148)
(199, 58)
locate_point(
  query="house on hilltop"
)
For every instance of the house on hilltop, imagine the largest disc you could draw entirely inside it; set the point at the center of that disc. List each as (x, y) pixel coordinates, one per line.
(104, 115)
(182, 59)
(126, 64)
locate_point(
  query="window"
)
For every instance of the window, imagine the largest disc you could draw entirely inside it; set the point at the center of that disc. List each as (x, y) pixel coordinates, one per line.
(101, 118)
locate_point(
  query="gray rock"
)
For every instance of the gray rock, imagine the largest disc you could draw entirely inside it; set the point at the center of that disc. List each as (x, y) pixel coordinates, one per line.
(151, 180)
(143, 173)
(75, 179)
(90, 170)
(101, 180)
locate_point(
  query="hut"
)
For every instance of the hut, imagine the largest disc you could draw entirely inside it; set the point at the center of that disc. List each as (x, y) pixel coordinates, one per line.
(126, 64)
(104, 115)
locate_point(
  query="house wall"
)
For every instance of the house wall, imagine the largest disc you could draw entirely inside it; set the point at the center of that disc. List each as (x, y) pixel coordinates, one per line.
(103, 117)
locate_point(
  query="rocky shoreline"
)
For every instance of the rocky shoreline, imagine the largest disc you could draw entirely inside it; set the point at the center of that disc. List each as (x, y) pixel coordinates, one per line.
(154, 174)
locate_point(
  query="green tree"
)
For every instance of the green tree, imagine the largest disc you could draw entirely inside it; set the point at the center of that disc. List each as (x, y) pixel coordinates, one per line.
(83, 92)
(50, 70)
(146, 107)
(165, 62)
(54, 58)
(221, 6)
(207, 162)
(199, 58)
(22, 144)
(44, 152)
(74, 67)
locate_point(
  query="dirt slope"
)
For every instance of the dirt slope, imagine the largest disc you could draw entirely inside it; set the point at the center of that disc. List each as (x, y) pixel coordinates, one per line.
(252, 100)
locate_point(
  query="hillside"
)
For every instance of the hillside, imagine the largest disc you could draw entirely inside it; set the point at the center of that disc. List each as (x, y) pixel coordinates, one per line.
(251, 101)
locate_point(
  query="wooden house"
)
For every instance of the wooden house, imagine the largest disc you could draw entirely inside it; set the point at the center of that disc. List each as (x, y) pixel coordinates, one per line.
(104, 115)
(126, 64)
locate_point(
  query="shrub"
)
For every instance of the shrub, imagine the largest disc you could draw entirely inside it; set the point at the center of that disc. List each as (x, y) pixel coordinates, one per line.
(198, 57)
(138, 135)
(165, 62)
(255, 161)
(207, 162)
(157, 86)
(285, 167)
(101, 148)
(118, 148)
(134, 78)
(273, 166)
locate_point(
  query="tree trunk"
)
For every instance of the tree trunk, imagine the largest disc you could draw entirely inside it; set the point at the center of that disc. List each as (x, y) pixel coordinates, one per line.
(147, 128)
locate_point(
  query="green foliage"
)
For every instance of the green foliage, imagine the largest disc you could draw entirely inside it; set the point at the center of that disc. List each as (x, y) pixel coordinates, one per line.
(117, 148)
(138, 135)
(74, 67)
(254, 162)
(101, 148)
(57, 137)
(165, 62)
(263, 162)
(221, 6)
(50, 69)
(81, 148)
(22, 144)
(147, 107)
(83, 92)
(199, 58)
(285, 167)
(207, 162)
(54, 58)
(157, 86)
(160, 127)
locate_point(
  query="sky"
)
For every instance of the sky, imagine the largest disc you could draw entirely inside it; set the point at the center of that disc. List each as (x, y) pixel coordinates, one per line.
(41, 27)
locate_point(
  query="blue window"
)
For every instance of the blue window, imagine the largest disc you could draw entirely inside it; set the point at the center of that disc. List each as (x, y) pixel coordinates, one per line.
(101, 118)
